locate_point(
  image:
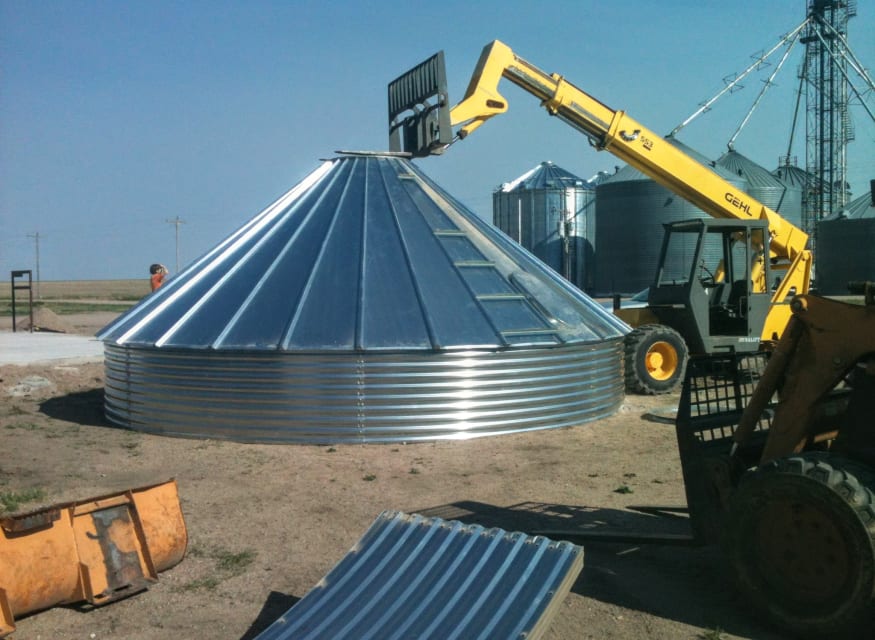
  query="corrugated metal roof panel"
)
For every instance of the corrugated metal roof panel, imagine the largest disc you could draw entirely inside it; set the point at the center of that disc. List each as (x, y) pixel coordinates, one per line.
(416, 577)
(366, 254)
(794, 176)
(858, 209)
(757, 177)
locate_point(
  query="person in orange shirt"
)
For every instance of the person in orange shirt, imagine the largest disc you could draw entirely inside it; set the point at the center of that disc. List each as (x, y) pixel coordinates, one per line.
(158, 271)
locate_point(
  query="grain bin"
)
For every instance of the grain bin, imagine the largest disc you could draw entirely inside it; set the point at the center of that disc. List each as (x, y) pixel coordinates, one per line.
(630, 209)
(846, 246)
(783, 196)
(365, 305)
(549, 211)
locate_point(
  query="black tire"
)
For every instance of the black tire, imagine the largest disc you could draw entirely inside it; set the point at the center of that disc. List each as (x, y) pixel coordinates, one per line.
(800, 540)
(655, 359)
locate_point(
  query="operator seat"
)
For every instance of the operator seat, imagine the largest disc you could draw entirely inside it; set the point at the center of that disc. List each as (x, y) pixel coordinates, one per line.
(717, 295)
(738, 293)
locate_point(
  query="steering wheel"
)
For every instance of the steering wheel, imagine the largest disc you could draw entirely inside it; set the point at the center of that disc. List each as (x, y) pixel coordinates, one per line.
(710, 280)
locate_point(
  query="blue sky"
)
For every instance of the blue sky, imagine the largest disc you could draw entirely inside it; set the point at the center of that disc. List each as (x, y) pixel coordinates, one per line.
(116, 117)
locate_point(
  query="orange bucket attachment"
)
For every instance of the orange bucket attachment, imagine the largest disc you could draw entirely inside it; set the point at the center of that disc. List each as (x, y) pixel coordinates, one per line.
(97, 550)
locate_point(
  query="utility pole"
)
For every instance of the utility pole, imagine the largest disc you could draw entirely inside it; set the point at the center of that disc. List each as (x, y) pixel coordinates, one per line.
(36, 236)
(177, 221)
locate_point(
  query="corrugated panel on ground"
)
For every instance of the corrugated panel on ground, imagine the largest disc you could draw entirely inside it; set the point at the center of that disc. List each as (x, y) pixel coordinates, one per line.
(416, 577)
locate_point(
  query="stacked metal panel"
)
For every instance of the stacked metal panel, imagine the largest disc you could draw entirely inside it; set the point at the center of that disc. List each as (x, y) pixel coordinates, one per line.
(365, 305)
(549, 211)
(416, 577)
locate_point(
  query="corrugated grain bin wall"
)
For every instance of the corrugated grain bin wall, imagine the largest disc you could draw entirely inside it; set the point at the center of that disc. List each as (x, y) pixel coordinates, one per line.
(549, 212)
(630, 210)
(846, 246)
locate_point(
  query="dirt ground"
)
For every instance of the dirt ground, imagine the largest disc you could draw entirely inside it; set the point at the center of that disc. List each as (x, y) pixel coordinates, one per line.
(288, 513)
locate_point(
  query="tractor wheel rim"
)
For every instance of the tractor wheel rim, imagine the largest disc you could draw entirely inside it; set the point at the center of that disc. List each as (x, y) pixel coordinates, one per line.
(806, 562)
(661, 360)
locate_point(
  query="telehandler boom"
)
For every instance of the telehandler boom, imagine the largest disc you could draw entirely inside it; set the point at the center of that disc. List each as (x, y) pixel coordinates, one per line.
(731, 306)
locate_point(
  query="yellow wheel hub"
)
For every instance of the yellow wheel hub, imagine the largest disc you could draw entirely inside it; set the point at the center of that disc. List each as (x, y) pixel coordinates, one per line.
(661, 360)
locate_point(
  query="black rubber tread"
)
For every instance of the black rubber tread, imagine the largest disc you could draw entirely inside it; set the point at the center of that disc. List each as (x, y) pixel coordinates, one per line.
(841, 489)
(635, 346)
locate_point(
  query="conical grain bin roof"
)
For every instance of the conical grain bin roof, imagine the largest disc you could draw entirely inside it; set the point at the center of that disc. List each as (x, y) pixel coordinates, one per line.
(365, 304)
(780, 195)
(545, 176)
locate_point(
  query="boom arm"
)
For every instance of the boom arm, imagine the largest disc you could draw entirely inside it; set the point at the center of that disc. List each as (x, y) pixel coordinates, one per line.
(632, 142)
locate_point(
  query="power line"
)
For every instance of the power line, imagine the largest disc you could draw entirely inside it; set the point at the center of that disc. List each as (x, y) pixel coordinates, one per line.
(177, 221)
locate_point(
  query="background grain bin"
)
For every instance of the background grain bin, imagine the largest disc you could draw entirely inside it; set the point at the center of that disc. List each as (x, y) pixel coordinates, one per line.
(846, 246)
(783, 196)
(365, 305)
(630, 210)
(798, 179)
(549, 211)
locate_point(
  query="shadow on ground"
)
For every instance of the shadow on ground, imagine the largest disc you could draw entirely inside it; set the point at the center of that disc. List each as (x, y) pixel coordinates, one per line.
(276, 605)
(83, 407)
(672, 580)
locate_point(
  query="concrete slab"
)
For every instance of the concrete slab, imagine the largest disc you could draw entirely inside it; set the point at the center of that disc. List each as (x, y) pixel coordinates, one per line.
(23, 347)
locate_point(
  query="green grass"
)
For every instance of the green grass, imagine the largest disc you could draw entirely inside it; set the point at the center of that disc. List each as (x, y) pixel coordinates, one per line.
(234, 563)
(208, 584)
(228, 564)
(11, 501)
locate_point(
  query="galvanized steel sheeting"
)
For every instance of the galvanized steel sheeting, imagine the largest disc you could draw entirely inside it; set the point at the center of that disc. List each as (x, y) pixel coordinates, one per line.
(365, 305)
(416, 577)
(777, 194)
(330, 398)
(365, 254)
(860, 208)
(549, 211)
